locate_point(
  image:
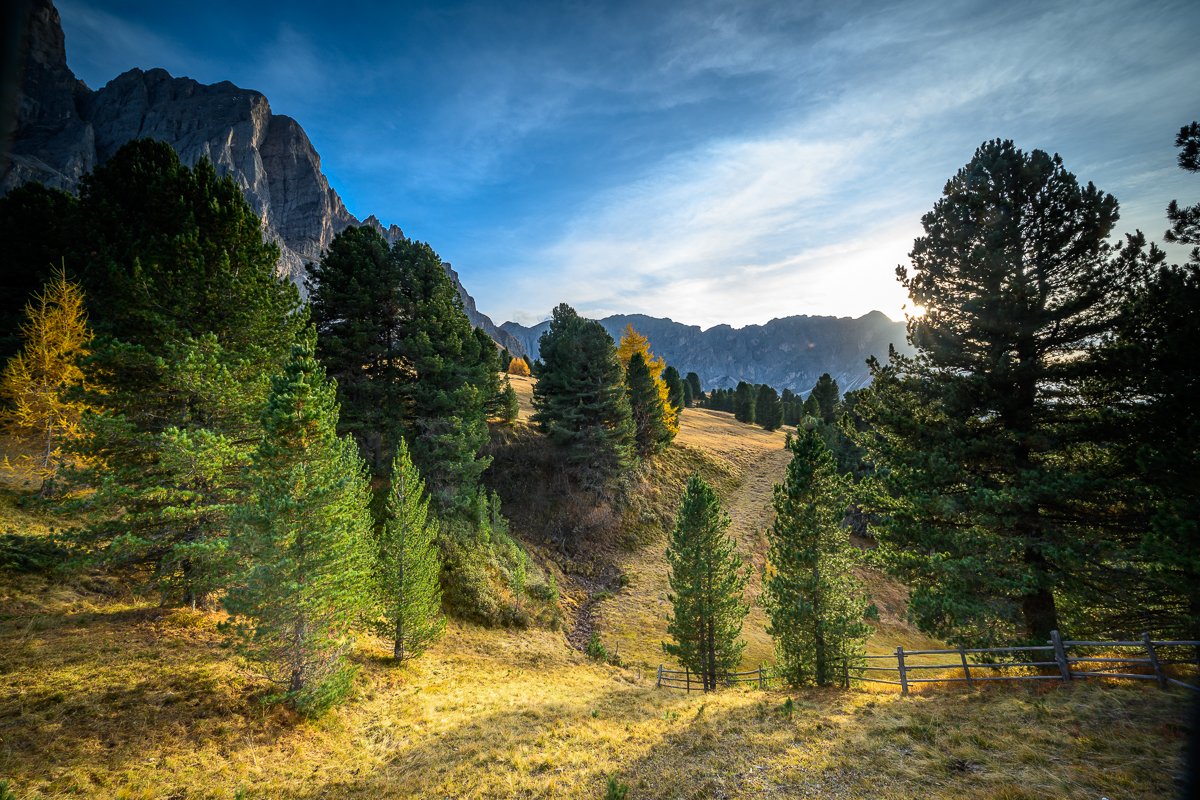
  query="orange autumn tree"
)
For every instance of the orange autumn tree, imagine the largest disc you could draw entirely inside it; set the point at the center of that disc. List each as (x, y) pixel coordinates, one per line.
(633, 342)
(518, 366)
(38, 382)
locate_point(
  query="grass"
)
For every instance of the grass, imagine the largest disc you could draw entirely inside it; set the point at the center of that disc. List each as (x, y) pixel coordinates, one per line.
(104, 694)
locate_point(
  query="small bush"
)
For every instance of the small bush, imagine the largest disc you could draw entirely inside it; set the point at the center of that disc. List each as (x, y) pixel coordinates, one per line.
(23, 553)
(616, 790)
(872, 612)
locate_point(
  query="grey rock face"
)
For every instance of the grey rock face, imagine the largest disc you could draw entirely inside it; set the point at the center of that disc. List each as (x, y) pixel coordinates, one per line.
(789, 353)
(64, 130)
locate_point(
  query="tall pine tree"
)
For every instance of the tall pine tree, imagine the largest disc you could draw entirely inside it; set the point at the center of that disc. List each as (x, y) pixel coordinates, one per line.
(707, 583)
(302, 542)
(743, 402)
(768, 411)
(580, 400)
(973, 504)
(408, 564)
(650, 427)
(814, 602)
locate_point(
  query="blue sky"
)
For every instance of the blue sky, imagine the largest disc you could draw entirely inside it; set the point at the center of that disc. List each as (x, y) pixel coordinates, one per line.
(709, 162)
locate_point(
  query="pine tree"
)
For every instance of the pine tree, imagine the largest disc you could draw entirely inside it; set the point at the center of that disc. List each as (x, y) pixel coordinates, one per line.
(693, 380)
(976, 499)
(511, 408)
(743, 402)
(408, 564)
(302, 542)
(633, 342)
(580, 400)
(689, 399)
(455, 378)
(1185, 221)
(354, 296)
(650, 427)
(825, 392)
(707, 582)
(675, 391)
(811, 407)
(43, 411)
(768, 412)
(814, 602)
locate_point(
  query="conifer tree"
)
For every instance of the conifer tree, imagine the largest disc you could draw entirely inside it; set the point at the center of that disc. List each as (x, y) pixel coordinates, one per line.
(43, 411)
(518, 366)
(633, 342)
(408, 564)
(811, 407)
(455, 378)
(688, 398)
(511, 407)
(354, 296)
(768, 412)
(976, 498)
(707, 582)
(675, 392)
(1185, 220)
(580, 400)
(743, 402)
(302, 542)
(693, 380)
(814, 602)
(650, 427)
(825, 393)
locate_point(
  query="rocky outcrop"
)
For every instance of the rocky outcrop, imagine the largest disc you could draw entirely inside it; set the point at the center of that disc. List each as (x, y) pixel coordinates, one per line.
(63, 130)
(791, 352)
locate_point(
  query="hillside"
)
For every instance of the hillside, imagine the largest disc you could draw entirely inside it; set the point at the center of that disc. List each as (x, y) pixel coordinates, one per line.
(103, 693)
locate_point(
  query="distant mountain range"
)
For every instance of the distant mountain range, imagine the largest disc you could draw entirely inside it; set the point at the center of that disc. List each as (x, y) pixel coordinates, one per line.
(63, 130)
(786, 353)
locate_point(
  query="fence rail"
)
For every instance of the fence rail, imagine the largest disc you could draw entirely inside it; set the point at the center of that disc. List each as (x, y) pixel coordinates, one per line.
(1064, 667)
(1059, 665)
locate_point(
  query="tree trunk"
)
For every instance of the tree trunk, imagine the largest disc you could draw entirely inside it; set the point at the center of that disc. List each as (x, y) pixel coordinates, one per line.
(398, 650)
(711, 671)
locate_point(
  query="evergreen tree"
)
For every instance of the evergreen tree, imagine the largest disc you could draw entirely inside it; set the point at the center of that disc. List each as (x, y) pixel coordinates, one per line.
(977, 503)
(408, 564)
(693, 380)
(650, 427)
(811, 407)
(707, 583)
(768, 412)
(455, 378)
(580, 399)
(43, 412)
(814, 602)
(743, 402)
(1185, 221)
(825, 392)
(675, 393)
(689, 399)
(633, 342)
(511, 407)
(302, 542)
(354, 296)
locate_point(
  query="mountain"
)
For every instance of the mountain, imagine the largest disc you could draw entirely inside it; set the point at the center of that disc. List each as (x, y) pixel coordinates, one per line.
(786, 353)
(63, 130)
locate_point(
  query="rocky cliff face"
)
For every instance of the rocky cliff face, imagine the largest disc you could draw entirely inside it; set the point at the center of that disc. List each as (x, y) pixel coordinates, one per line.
(64, 129)
(786, 353)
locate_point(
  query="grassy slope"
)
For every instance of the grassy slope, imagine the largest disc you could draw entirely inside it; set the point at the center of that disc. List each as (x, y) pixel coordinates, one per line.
(103, 694)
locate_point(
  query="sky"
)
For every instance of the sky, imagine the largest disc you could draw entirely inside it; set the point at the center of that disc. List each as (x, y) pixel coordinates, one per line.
(708, 162)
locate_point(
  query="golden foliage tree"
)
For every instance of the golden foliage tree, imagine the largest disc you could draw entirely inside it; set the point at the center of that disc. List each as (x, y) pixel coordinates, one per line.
(518, 366)
(41, 415)
(633, 342)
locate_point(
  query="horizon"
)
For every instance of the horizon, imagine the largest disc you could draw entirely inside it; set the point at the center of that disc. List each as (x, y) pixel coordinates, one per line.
(673, 162)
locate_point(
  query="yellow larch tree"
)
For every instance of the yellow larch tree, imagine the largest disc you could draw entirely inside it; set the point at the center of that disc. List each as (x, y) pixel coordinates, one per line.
(633, 342)
(518, 366)
(40, 413)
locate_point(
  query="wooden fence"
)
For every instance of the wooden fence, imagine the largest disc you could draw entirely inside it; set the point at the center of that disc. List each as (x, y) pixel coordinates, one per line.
(1054, 662)
(687, 680)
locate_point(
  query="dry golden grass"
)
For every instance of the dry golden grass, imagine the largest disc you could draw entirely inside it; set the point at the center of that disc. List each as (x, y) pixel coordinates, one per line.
(103, 694)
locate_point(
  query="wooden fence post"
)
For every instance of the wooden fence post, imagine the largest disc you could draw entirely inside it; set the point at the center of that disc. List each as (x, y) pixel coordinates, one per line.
(658, 679)
(1158, 673)
(900, 667)
(760, 678)
(846, 672)
(1060, 655)
(687, 680)
(966, 669)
